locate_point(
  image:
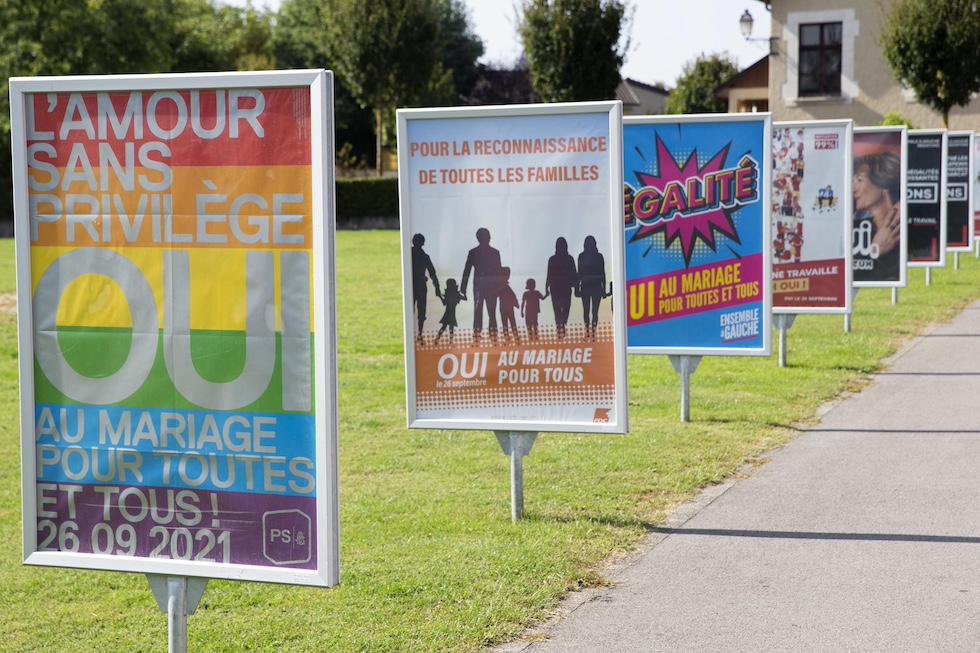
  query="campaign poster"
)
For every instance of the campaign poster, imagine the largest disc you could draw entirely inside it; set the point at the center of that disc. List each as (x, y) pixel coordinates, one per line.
(959, 191)
(975, 162)
(880, 229)
(811, 214)
(512, 255)
(698, 234)
(926, 198)
(177, 336)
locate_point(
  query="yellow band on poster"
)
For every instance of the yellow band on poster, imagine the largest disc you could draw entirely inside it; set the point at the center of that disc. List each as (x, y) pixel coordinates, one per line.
(217, 289)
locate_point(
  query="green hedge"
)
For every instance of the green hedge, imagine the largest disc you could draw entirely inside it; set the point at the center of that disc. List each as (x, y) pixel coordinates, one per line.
(367, 198)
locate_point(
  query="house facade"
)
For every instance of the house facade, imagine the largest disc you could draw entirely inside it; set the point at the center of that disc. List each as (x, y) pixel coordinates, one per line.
(826, 63)
(748, 91)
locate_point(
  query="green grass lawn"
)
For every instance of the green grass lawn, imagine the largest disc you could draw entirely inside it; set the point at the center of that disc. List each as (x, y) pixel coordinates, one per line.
(430, 559)
(8, 280)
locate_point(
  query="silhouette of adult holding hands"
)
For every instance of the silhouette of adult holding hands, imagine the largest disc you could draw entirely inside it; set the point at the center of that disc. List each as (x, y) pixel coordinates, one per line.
(591, 284)
(484, 262)
(559, 283)
(421, 265)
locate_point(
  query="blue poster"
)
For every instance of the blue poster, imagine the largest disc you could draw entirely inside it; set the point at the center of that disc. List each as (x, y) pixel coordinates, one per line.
(697, 197)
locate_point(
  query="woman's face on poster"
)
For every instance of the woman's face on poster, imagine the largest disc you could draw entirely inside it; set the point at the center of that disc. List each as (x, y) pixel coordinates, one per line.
(866, 194)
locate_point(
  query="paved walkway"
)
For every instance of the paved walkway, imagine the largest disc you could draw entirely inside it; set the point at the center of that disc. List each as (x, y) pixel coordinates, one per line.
(863, 534)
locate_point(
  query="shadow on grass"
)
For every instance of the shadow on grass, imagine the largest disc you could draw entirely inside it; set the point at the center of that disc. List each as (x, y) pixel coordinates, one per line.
(815, 365)
(796, 428)
(615, 521)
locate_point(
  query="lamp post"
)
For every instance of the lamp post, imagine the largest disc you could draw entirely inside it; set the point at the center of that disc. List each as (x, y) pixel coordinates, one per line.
(745, 24)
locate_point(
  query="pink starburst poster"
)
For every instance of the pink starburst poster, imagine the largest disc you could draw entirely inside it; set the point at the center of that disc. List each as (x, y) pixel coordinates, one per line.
(697, 218)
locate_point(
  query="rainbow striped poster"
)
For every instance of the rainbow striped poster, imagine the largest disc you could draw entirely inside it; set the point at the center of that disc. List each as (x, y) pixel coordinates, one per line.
(176, 328)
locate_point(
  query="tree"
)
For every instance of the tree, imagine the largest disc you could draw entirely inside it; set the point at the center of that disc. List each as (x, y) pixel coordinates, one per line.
(695, 90)
(205, 36)
(933, 48)
(895, 119)
(459, 46)
(300, 36)
(575, 48)
(384, 54)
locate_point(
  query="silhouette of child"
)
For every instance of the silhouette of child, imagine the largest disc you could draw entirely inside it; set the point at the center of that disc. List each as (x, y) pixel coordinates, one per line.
(450, 298)
(508, 304)
(531, 308)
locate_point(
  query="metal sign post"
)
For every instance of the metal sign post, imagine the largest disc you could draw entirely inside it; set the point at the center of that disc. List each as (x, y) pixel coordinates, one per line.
(847, 316)
(178, 596)
(783, 323)
(685, 366)
(516, 444)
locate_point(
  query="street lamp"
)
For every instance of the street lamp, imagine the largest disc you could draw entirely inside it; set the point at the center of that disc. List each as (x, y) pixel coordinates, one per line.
(745, 23)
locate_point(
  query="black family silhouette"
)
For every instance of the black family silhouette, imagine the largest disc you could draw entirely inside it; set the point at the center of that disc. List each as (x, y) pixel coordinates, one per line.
(450, 299)
(561, 279)
(591, 284)
(484, 262)
(493, 294)
(531, 307)
(421, 265)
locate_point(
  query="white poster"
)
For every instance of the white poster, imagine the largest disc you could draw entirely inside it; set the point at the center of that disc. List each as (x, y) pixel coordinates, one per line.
(512, 229)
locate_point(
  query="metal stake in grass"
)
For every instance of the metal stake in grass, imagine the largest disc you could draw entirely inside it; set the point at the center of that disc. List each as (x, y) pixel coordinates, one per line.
(516, 444)
(783, 323)
(178, 596)
(685, 366)
(847, 316)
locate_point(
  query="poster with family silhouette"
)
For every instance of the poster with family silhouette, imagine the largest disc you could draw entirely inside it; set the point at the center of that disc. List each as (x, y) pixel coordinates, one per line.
(959, 191)
(879, 227)
(511, 222)
(926, 197)
(811, 215)
(698, 262)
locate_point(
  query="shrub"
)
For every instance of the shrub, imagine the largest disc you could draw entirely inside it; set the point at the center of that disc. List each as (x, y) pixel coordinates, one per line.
(367, 202)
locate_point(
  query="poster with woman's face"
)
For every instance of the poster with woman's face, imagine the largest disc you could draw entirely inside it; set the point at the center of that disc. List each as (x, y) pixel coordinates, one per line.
(697, 211)
(811, 215)
(925, 196)
(878, 222)
(511, 252)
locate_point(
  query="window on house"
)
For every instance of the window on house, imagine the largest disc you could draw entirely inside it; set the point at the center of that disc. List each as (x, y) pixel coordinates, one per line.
(820, 58)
